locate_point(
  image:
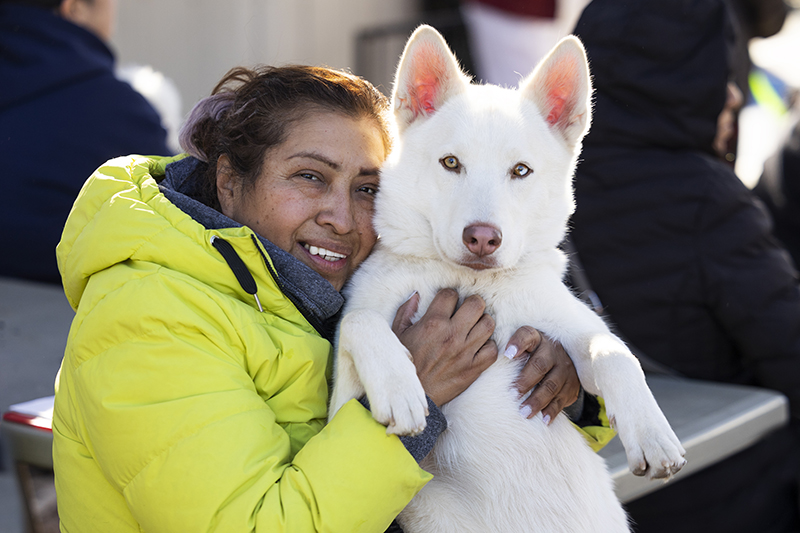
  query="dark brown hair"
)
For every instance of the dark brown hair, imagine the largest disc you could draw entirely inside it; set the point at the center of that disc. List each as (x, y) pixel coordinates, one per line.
(250, 111)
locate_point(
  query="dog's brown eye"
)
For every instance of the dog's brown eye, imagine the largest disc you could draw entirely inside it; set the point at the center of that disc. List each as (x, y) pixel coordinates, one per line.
(522, 170)
(450, 163)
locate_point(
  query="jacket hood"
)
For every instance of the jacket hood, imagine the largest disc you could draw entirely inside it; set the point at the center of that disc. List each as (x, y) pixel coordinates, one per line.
(659, 69)
(140, 209)
(40, 51)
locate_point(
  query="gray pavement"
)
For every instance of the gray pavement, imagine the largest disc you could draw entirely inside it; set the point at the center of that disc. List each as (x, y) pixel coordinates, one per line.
(34, 323)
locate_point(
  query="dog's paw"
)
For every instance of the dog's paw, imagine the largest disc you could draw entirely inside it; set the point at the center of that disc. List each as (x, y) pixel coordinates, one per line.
(398, 401)
(402, 416)
(652, 448)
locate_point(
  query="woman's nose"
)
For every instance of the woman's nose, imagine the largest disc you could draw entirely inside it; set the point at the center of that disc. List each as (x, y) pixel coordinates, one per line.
(337, 212)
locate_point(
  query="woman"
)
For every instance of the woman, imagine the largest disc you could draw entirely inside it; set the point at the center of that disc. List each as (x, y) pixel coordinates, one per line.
(193, 391)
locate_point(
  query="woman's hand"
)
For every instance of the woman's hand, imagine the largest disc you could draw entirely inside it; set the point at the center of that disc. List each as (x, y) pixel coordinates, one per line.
(450, 345)
(548, 368)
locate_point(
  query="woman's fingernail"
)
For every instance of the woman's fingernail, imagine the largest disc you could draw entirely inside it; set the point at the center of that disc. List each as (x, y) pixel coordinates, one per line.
(410, 296)
(511, 351)
(546, 420)
(525, 411)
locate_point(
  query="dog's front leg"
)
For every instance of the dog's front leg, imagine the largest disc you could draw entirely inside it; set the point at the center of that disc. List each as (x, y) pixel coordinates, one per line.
(371, 358)
(650, 444)
(346, 384)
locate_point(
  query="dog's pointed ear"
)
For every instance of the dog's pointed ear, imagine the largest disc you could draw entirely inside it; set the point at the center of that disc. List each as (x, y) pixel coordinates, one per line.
(560, 87)
(428, 75)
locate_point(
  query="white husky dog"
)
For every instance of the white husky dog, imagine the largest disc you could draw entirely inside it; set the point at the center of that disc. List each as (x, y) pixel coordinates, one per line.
(476, 197)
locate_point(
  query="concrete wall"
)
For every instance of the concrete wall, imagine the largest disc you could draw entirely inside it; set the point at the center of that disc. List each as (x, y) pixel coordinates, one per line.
(195, 42)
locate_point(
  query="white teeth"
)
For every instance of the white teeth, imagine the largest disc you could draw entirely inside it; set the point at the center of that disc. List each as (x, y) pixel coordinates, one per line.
(327, 255)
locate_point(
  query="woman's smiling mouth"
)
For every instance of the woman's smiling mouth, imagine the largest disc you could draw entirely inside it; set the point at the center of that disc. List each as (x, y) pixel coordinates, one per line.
(325, 254)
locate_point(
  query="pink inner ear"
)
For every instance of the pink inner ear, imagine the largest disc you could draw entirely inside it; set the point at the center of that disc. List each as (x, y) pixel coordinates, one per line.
(426, 80)
(557, 106)
(424, 95)
(560, 85)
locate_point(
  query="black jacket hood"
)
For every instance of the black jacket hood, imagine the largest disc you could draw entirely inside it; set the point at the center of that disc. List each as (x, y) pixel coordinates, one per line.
(659, 70)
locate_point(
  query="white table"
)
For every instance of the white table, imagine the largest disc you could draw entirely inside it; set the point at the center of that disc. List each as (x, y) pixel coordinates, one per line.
(712, 420)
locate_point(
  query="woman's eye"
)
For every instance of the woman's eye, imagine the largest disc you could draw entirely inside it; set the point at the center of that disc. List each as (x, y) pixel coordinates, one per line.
(522, 170)
(309, 176)
(450, 162)
(369, 189)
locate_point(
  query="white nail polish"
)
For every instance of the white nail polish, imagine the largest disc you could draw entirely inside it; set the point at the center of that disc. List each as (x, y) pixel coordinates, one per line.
(525, 411)
(510, 352)
(546, 420)
(410, 296)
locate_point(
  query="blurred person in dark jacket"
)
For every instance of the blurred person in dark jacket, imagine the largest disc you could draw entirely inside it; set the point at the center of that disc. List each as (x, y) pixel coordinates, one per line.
(63, 113)
(679, 251)
(753, 18)
(779, 188)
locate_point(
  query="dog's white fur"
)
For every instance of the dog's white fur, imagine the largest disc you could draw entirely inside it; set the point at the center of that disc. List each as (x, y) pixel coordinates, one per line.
(493, 469)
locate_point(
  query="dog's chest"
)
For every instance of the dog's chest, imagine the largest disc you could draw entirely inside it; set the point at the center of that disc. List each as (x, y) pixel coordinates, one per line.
(511, 300)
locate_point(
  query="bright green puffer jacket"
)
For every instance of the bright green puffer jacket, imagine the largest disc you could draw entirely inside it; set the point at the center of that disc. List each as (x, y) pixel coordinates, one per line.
(179, 406)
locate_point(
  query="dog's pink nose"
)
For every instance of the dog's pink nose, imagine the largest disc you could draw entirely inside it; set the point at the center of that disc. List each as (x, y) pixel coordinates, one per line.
(482, 239)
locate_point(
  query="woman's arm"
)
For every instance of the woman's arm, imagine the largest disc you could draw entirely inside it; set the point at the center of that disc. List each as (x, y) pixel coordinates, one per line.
(201, 418)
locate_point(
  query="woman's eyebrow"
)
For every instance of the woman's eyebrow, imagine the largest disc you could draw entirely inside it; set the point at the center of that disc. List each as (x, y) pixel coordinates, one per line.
(318, 157)
(372, 171)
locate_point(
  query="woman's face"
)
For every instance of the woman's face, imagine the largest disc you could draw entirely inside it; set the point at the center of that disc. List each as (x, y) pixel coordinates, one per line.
(314, 197)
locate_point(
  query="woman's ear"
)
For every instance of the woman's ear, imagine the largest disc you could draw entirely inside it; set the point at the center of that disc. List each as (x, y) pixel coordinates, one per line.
(227, 186)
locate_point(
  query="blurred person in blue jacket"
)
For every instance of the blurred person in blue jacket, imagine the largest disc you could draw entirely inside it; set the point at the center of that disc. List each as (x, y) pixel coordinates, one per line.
(63, 113)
